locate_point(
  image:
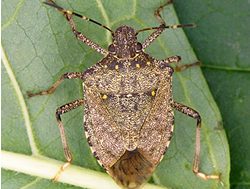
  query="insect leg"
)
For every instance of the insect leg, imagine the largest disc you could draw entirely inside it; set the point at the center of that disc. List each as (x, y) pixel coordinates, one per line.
(158, 11)
(61, 110)
(196, 163)
(68, 14)
(179, 67)
(162, 26)
(69, 75)
(172, 59)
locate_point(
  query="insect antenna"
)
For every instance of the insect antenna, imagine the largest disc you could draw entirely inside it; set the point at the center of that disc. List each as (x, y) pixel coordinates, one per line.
(167, 27)
(64, 11)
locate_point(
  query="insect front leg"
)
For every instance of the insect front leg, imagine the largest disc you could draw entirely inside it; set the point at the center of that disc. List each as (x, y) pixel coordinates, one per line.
(70, 75)
(158, 30)
(158, 11)
(68, 14)
(61, 110)
(196, 163)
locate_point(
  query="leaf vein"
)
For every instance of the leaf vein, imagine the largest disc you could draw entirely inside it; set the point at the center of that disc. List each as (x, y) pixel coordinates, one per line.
(21, 100)
(106, 18)
(31, 183)
(13, 17)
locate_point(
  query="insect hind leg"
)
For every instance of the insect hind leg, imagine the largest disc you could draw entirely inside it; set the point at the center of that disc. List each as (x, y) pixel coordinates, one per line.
(196, 163)
(68, 155)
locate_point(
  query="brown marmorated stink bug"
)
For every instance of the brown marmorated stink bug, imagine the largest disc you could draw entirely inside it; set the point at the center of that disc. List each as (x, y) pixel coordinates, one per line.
(128, 116)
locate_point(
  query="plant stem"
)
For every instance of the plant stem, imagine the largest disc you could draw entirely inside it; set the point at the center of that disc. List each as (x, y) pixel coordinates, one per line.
(44, 167)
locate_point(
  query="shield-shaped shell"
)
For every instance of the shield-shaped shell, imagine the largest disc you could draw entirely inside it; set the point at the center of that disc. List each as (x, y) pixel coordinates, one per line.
(128, 117)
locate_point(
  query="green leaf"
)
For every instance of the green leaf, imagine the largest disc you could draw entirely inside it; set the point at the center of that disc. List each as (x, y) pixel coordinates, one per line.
(39, 47)
(222, 42)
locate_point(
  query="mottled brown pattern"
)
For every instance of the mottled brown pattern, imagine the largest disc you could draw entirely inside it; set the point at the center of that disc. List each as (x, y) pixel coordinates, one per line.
(123, 113)
(158, 127)
(131, 170)
(128, 116)
(152, 37)
(103, 134)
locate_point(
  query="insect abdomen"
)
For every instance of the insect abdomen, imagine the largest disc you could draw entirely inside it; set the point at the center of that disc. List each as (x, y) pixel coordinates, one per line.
(131, 170)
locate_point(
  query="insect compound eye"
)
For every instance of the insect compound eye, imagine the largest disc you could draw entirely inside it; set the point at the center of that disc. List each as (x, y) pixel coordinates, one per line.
(111, 49)
(138, 47)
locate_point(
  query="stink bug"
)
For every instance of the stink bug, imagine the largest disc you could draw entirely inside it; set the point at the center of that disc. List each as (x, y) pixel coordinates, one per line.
(128, 104)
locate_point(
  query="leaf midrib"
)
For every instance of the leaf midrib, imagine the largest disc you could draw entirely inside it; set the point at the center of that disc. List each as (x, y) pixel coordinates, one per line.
(24, 108)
